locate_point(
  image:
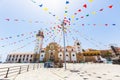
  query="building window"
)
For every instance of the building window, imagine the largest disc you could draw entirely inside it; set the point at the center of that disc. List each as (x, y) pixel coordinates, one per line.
(27, 55)
(10, 56)
(42, 51)
(31, 56)
(16, 59)
(66, 54)
(66, 50)
(60, 49)
(51, 53)
(72, 49)
(12, 59)
(16, 55)
(24, 56)
(78, 47)
(73, 55)
(60, 55)
(41, 55)
(23, 59)
(20, 55)
(26, 59)
(9, 59)
(30, 60)
(78, 43)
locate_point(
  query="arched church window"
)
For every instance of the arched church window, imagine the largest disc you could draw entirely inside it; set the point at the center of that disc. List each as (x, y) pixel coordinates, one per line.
(51, 53)
(41, 55)
(72, 49)
(78, 43)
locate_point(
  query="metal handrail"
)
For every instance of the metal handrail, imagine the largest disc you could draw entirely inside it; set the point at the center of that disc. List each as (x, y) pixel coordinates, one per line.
(5, 72)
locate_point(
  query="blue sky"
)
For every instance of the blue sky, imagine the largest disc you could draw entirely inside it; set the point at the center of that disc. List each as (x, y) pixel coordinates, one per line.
(28, 11)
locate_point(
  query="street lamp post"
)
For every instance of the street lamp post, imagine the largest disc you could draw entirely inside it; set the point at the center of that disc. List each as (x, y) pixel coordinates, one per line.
(63, 29)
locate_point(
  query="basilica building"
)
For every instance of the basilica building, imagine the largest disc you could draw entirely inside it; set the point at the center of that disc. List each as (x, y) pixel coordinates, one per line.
(54, 52)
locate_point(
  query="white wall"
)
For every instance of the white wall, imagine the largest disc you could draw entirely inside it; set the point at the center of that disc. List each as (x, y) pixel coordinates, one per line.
(42, 57)
(67, 57)
(73, 58)
(61, 57)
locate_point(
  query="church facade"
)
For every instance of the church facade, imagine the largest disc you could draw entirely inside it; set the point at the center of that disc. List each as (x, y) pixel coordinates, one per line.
(55, 52)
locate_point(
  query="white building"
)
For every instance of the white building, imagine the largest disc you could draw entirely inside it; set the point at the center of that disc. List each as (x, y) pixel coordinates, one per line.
(20, 57)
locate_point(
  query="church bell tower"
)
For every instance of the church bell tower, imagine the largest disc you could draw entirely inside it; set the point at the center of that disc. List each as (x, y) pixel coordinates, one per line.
(39, 43)
(77, 46)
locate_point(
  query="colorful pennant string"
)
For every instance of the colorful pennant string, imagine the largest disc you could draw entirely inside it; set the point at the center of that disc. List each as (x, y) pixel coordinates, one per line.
(19, 35)
(87, 15)
(13, 43)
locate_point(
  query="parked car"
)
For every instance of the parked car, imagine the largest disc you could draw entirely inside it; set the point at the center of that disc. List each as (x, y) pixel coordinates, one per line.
(48, 65)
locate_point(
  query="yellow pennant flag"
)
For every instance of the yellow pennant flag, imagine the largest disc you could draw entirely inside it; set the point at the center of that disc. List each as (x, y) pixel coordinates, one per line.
(72, 16)
(90, 0)
(57, 17)
(65, 15)
(94, 12)
(45, 9)
(66, 7)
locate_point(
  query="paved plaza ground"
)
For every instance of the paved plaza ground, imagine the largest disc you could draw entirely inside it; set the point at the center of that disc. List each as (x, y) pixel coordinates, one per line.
(76, 71)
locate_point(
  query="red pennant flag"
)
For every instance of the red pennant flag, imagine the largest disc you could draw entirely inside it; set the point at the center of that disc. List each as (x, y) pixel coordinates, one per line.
(59, 27)
(65, 18)
(85, 6)
(79, 10)
(101, 10)
(110, 6)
